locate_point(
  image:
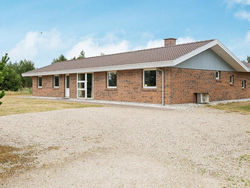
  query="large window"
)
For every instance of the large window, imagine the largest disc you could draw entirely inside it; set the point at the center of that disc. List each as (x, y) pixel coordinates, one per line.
(149, 78)
(56, 81)
(111, 80)
(40, 82)
(243, 84)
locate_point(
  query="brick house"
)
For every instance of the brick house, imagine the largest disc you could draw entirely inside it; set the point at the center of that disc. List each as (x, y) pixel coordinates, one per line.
(168, 75)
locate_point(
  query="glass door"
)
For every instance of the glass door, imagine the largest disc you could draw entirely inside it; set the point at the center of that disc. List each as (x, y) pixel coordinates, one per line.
(84, 85)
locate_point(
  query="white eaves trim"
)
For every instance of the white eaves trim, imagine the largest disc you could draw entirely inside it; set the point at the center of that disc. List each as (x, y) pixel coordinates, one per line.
(106, 68)
(240, 66)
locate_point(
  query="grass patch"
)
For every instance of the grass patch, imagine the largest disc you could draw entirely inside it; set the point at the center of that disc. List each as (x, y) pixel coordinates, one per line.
(14, 104)
(23, 91)
(242, 107)
(13, 159)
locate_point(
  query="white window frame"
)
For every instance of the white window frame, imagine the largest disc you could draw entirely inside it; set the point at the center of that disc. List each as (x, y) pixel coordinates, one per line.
(111, 87)
(38, 82)
(55, 82)
(219, 75)
(143, 83)
(85, 85)
(232, 81)
(244, 86)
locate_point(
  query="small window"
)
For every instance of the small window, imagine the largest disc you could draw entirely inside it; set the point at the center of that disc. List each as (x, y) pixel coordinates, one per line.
(40, 82)
(232, 79)
(149, 78)
(111, 80)
(243, 84)
(56, 81)
(218, 75)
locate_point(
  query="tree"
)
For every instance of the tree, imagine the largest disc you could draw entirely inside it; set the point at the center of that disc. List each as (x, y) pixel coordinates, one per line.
(82, 55)
(12, 80)
(248, 59)
(21, 67)
(3, 62)
(59, 59)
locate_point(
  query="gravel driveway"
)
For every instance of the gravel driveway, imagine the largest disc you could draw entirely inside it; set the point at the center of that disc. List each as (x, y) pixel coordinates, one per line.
(130, 147)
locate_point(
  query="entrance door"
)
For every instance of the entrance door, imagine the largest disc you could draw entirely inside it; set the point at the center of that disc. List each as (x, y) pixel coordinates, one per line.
(85, 85)
(66, 86)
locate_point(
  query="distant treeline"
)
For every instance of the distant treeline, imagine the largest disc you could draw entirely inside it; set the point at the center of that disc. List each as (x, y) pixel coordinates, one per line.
(12, 74)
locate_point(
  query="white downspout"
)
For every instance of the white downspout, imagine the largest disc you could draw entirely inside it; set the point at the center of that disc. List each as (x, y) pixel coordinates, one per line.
(163, 87)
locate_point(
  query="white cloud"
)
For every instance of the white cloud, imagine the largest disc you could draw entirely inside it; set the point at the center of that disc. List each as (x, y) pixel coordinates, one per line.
(248, 37)
(183, 40)
(243, 15)
(34, 43)
(243, 2)
(94, 47)
(160, 43)
(240, 46)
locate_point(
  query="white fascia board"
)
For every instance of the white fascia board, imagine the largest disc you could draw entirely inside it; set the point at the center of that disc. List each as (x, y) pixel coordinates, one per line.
(106, 68)
(232, 55)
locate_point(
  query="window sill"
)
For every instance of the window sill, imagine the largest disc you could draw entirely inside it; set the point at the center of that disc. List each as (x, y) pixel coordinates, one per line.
(39, 87)
(111, 88)
(149, 88)
(55, 87)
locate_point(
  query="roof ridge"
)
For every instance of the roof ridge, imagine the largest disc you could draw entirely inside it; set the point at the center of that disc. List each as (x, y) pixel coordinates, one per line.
(172, 46)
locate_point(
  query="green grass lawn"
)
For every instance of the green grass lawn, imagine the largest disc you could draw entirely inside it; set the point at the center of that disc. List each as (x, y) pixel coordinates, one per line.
(242, 107)
(13, 103)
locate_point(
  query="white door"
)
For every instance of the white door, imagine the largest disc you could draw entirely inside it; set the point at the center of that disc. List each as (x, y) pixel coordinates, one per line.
(66, 86)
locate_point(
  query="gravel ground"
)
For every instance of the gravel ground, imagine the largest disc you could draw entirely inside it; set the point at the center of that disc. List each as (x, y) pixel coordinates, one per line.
(130, 147)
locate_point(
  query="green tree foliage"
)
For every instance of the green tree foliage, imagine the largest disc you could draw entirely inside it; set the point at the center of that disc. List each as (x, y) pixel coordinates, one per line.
(3, 63)
(12, 80)
(82, 55)
(59, 59)
(22, 67)
(248, 59)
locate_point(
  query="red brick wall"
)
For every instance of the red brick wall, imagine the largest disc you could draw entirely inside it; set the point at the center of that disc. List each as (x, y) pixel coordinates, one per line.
(129, 88)
(183, 83)
(47, 89)
(180, 86)
(72, 85)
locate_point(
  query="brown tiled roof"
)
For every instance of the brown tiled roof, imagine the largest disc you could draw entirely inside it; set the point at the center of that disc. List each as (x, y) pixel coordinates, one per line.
(133, 57)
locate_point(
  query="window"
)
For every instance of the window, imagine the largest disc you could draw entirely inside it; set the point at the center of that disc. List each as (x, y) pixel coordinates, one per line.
(243, 84)
(111, 80)
(81, 85)
(56, 81)
(149, 78)
(40, 82)
(84, 85)
(232, 79)
(218, 75)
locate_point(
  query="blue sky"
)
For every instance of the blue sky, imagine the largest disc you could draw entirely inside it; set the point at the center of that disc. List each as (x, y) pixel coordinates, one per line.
(42, 30)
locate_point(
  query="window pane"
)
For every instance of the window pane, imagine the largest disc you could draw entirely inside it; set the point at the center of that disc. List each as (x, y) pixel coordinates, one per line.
(112, 82)
(56, 80)
(67, 81)
(81, 93)
(81, 85)
(89, 85)
(40, 81)
(81, 77)
(150, 78)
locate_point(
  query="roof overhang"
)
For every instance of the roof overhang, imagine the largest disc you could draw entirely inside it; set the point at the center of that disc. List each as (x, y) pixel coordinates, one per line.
(215, 45)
